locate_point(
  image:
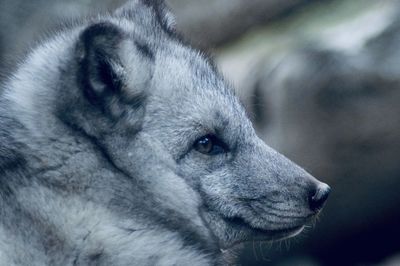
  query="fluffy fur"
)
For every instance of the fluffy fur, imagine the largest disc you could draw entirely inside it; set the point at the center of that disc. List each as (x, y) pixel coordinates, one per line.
(103, 161)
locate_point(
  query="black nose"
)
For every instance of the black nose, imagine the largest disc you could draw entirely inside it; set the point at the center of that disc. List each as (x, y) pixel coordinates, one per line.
(318, 197)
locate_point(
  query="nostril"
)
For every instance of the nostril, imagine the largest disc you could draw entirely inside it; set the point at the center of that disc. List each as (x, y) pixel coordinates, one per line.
(319, 196)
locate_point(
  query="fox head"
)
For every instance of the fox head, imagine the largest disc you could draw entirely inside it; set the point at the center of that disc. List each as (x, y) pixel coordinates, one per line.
(162, 115)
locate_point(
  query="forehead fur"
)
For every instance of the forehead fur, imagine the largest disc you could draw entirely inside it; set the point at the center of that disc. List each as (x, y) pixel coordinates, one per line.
(193, 95)
(180, 70)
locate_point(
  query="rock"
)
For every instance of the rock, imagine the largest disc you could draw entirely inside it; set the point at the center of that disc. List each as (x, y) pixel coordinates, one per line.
(209, 23)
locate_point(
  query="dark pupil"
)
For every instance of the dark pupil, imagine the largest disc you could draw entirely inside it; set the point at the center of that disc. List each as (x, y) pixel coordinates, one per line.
(204, 145)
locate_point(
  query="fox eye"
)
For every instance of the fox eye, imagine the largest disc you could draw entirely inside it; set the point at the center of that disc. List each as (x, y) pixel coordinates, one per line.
(210, 145)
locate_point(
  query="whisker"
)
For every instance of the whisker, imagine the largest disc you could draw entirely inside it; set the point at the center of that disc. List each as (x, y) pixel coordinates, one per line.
(254, 250)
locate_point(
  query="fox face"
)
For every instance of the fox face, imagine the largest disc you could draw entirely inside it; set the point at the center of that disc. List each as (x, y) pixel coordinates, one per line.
(150, 145)
(170, 96)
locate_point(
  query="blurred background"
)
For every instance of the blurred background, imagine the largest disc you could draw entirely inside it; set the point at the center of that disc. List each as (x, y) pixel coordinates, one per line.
(321, 83)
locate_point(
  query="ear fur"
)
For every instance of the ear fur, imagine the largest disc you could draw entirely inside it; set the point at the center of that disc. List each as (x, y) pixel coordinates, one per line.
(98, 61)
(113, 70)
(158, 8)
(163, 14)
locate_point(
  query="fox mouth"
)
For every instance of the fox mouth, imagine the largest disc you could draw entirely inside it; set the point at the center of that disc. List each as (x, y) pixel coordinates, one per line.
(274, 234)
(251, 233)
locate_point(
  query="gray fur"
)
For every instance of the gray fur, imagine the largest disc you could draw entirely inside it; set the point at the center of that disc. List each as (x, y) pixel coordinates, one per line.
(97, 160)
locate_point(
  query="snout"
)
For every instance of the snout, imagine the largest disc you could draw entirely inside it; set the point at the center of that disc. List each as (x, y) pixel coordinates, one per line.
(318, 196)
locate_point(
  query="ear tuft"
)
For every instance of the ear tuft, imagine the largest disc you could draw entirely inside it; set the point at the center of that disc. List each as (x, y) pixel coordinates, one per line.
(158, 8)
(163, 14)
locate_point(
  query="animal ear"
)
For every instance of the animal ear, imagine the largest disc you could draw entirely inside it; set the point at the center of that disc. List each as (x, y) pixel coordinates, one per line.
(113, 70)
(147, 9)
